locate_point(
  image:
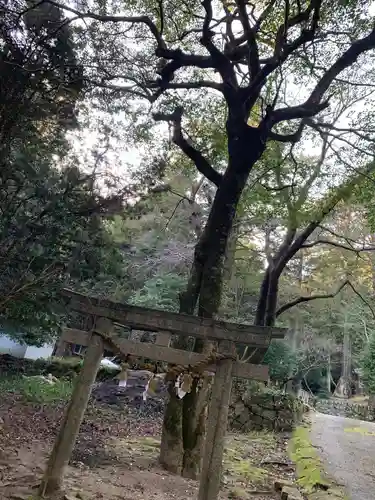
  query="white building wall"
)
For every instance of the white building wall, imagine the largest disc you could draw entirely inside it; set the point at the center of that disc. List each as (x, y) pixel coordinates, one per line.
(9, 346)
(33, 352)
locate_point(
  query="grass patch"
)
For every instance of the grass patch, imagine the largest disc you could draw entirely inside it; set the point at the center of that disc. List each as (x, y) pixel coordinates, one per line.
(359, 399)
(309, 468)
(243, 454)
(247, 472)
(35, 390)
(359, 430)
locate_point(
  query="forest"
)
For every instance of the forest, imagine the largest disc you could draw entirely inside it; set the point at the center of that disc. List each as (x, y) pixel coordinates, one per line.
(212, 158)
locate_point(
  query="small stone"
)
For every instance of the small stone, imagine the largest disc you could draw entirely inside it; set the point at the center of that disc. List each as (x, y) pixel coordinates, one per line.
(81, 495)
(280, 483)
(290, 493)
(238, 494)
(331, 494)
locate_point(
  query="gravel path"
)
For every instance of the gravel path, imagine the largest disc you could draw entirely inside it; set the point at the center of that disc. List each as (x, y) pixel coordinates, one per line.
(347, 448)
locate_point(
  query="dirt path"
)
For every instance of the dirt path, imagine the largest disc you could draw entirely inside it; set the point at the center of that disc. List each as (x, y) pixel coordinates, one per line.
(347, 447)
(116, 456)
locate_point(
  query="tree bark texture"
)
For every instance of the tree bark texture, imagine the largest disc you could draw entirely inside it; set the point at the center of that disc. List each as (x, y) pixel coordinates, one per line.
(329, 375)
(343, 388)
(184, 423)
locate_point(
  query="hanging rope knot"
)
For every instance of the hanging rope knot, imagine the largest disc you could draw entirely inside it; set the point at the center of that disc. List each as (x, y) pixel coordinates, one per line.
(183, 376)
(196, 371)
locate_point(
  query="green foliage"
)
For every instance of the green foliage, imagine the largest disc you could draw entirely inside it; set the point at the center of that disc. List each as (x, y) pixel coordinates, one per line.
(61, 368)
(368, 366)
(36, 390)
(160, 292)
(364, 196)
(48, 239)
(51, 231)
(282, 361)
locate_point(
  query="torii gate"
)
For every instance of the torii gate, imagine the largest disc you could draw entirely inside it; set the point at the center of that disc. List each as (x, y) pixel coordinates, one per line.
(105, 313)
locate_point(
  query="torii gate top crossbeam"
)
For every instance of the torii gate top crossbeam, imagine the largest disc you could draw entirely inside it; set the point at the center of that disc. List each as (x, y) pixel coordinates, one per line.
(180, 324)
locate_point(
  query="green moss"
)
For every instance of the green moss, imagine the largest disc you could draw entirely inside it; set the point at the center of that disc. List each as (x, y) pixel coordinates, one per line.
(173, 418)
(359, 430)
(238, 461)
(309, 468)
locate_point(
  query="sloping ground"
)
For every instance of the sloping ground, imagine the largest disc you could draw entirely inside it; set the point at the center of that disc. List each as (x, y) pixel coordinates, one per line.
(116, 455)
(347, 448)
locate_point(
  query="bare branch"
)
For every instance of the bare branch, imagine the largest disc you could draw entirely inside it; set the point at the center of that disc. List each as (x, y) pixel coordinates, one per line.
(327, 208)
(196, 156)
(303, 299)
(329, 230)
(338, 245)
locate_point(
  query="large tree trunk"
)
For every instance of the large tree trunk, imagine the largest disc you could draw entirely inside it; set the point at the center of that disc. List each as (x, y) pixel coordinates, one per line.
(343, 388)
(296, 328)
(328, 375)
(185, 421)
(292, 339)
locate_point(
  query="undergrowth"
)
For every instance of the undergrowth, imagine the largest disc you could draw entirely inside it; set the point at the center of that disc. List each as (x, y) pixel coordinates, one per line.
(243, 454)
(309, 468)
(36, 390)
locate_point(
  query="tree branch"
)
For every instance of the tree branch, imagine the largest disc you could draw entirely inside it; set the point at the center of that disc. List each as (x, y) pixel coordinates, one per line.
(284, 50)
(336, 235)
(177, 57)
(221, 63)
(313, 104)
(303, 299)
(293, 137)
(202, 164)
(252, 46)
(193, 85)
(337, 245)
(114, 19)
(348, 58)
(306, 110)
(331, 203)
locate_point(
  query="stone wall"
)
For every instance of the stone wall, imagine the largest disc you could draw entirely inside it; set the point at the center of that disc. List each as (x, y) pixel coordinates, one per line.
(344, 408)
(267, 409)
